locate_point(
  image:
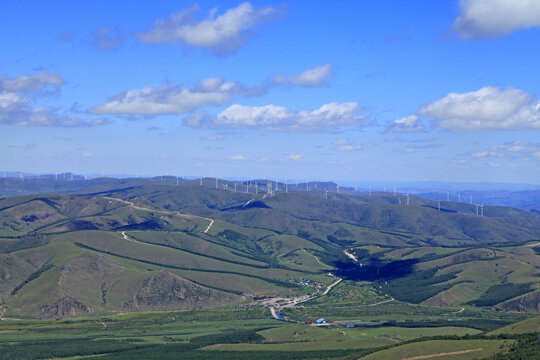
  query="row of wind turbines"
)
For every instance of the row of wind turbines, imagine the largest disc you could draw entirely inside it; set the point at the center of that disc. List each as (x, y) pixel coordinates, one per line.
(267, 187)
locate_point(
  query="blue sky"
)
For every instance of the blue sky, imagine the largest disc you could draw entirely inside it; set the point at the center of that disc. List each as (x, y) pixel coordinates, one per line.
(367, 90)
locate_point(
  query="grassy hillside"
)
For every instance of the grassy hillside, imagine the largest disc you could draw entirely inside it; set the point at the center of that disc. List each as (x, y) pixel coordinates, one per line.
(137, 245)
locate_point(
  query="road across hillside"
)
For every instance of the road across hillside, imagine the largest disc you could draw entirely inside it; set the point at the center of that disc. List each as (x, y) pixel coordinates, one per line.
(131, 204)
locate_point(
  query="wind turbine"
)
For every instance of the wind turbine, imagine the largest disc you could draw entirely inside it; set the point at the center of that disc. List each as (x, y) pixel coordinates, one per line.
(439, 205)
(337, 188)
(459, 197)
(447, 196)
(482, 210)
(217, 186)
(395, 191)
(407, 198)
(326, 194)
(370, 191)
(200, 182)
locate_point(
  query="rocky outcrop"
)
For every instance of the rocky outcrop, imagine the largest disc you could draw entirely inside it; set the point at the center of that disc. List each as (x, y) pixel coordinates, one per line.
(65, 308)
(527, 303)
(165, 290)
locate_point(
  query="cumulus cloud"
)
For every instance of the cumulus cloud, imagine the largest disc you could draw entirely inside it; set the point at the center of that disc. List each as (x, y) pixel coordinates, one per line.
(481, 19)
(17, 98)
(486, 109)
(310, 78)
(31, 83)
(407, 124)
(172, 99)
(279, 118)
(221, 34)
(294, 157)
(106, 39)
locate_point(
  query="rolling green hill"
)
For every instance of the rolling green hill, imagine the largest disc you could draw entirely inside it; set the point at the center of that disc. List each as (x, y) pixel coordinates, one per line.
(155, 244)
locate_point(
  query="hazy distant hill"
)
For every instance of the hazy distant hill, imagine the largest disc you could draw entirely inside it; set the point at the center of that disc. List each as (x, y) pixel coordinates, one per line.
(524, 199)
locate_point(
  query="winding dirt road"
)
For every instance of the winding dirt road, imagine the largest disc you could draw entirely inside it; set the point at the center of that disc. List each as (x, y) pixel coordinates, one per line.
(132, 205)
(443, 354)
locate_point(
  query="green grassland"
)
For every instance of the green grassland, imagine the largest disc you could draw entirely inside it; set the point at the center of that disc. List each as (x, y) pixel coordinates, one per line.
(523, 327)
(455, 349)
(237, 333)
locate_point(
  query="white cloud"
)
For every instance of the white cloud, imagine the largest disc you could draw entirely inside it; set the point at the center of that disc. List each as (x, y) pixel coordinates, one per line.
(409, 150)
(18, 94)
(511, 150)
(236, 157)
(21, 114)
(31, 83)
(537, 154)
(279, 118)
(486, 109)
(345, 146)
(351, 147)
(310, 78)
(213, 138)
(483, 154)
(221, 34)
(407, 124)
(170, 99)
(481, 19)
(294, 157)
